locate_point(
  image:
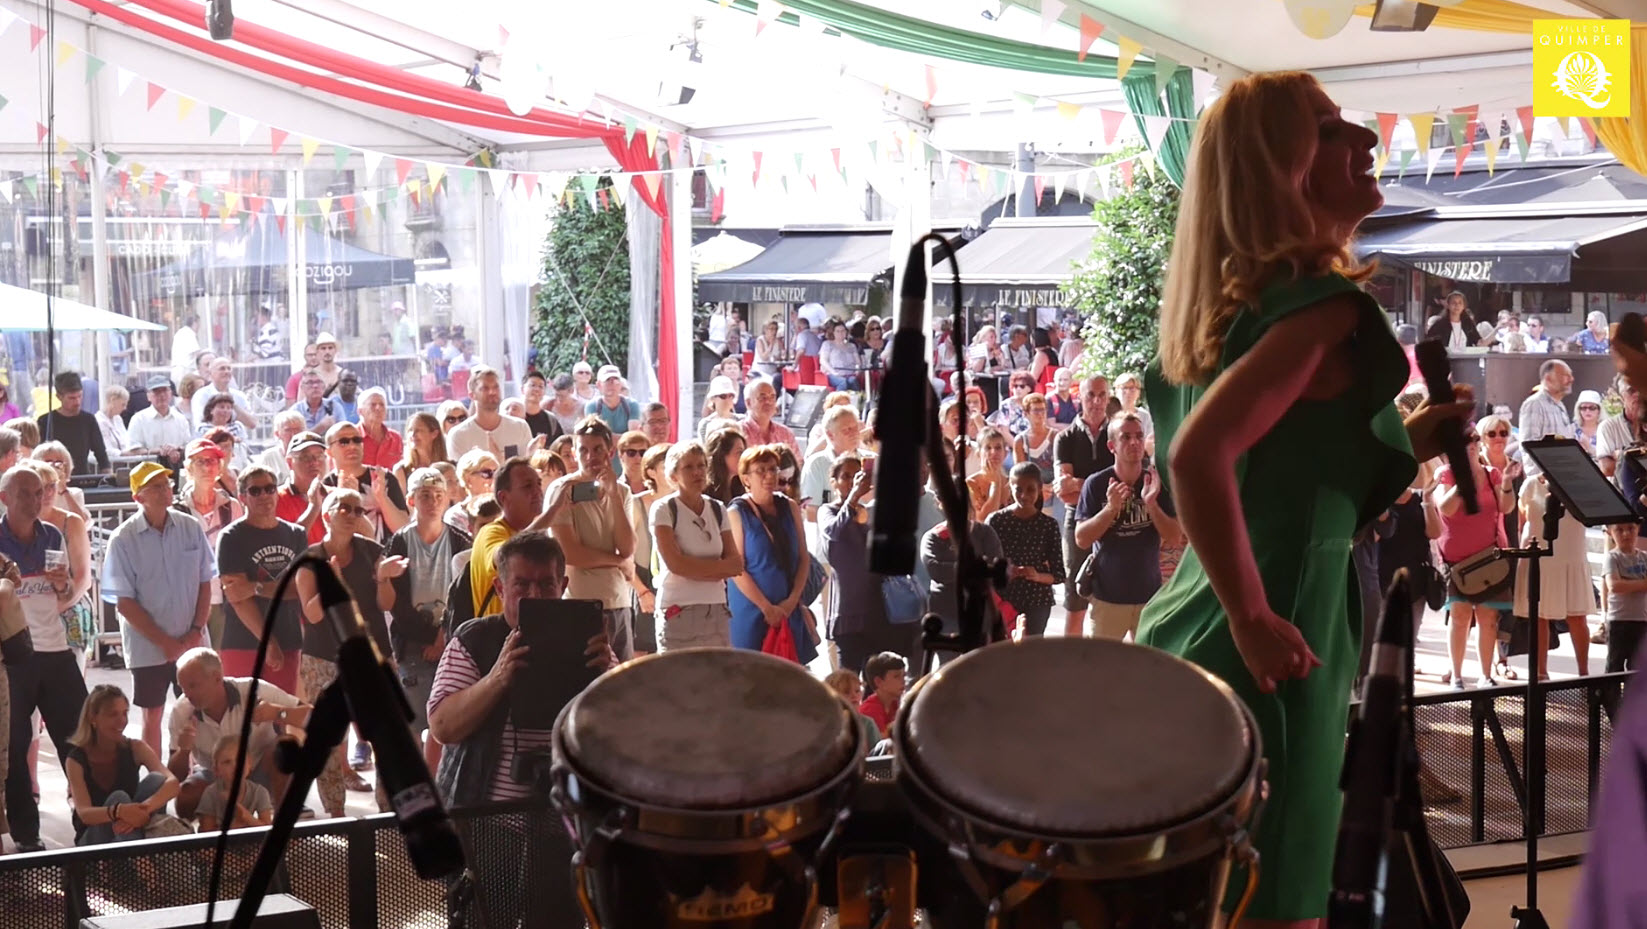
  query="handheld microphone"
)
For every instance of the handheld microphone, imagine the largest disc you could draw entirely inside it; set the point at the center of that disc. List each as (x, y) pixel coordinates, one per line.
(901, 427)
(1431, 355)
(1372, 767)
(378, 705)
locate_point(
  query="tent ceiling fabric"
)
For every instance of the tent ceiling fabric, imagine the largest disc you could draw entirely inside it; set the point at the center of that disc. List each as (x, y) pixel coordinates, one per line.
(26, 312)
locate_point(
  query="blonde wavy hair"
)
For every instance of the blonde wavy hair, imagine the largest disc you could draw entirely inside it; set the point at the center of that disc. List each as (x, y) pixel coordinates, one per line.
(1245, 217)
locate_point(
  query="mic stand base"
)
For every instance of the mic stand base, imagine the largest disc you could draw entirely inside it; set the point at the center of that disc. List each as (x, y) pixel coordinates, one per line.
(1527, 918)
(328, 724)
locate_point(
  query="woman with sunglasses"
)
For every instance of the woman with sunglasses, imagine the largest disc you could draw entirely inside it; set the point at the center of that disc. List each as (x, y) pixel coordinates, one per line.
(1587, 419)
(425, 445)
(632, 448)
(1496, 436)
(768, 351)
(475, 471)
(875, 334)
(57, 508)
(1465, 536)
(369, 577)
(450, 413)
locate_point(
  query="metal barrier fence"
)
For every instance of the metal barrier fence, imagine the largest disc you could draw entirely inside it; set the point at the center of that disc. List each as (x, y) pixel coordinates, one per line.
(355, 871)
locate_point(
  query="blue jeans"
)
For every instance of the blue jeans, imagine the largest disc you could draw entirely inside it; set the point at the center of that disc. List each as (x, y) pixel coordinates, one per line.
(843, 381)
(103, 833)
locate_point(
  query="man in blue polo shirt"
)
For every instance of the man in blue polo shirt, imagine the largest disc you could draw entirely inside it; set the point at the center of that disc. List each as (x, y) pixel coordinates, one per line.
(48, 680)
(158, 573)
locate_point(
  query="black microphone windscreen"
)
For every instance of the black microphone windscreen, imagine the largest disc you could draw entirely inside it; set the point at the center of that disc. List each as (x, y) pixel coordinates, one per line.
(914, 280)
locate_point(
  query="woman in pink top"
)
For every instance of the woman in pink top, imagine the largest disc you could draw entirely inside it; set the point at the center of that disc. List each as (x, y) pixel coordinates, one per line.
(1463, 536)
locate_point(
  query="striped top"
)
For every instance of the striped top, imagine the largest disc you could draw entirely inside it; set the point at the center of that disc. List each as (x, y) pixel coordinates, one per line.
(458, 671)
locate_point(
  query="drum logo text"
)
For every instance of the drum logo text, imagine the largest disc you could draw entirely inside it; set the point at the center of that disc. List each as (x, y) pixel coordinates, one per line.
(711, 906)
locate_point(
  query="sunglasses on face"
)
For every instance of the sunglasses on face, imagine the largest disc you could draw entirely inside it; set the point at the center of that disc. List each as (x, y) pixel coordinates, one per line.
(1472, 438)
(634, 452)
(261, 490)
(455, 419)
(486, 473)
(349, 509)
(348, 440)
(1498, 434)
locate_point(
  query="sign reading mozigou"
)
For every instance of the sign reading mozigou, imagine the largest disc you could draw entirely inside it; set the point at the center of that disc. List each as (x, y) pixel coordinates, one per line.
(327, 275)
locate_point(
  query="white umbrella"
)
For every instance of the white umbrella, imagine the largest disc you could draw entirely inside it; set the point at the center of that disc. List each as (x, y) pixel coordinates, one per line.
(722, 252)
(24, 310)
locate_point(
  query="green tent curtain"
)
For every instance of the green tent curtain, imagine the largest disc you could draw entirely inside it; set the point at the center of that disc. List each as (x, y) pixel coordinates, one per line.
(909, 34)
(1143, 100)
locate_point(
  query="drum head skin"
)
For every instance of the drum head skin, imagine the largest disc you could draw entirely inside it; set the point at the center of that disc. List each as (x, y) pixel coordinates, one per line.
(1077, 737)
(709, 729)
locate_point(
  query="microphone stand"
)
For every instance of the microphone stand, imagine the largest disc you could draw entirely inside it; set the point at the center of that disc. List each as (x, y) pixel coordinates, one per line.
(1533, 748)
(327, 725)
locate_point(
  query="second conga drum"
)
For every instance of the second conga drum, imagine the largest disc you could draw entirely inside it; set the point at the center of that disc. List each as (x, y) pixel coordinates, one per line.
(1079, 783)
(701, 787)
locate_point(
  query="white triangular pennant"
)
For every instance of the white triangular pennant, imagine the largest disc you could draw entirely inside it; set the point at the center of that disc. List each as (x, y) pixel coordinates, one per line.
(1156, 128)
(1434, 158)
(5, 189)
(7, 17)
(500, 180)
(1203, 83)
(944, 159)
(1103, 183)
(185, 189)
(247, 127)
(621, 185)
(1050, 11)
(554, 184)
(694, 145)
(373, 160)
(123, 81)
(1058, 186)
(278, 205)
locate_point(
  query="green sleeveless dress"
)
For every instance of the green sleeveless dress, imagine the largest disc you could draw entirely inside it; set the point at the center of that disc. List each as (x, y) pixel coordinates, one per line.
(1327, 468)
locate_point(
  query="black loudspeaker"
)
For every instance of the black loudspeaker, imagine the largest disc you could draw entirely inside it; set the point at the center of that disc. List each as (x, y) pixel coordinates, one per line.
(279, 911)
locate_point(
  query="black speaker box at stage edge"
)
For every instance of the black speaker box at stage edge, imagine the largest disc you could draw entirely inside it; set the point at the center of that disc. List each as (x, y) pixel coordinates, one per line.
(279, 911)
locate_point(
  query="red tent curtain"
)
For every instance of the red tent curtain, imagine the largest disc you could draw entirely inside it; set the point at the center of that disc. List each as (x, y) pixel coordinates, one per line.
(635, 157)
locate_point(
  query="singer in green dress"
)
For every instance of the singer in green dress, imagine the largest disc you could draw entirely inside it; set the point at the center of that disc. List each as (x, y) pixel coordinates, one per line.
(1273, 406)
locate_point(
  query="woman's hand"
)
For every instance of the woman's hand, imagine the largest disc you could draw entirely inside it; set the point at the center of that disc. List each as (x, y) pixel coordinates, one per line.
(774, 615)
(1423, 426)
(1273, 649)
(133, 815)
(392, 567)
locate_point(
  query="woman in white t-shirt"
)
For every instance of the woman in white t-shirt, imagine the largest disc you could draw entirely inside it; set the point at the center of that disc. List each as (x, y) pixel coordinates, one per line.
(695, 548)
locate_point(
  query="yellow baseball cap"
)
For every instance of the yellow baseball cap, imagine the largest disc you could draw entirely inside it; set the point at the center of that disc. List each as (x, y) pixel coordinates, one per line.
(146, 472)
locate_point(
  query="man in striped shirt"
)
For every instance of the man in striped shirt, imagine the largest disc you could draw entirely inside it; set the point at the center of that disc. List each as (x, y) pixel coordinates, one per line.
(1543, 414)
(468, 706)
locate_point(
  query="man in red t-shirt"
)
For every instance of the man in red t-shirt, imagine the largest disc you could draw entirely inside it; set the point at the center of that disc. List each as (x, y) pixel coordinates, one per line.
(300, 498)
(884, 675)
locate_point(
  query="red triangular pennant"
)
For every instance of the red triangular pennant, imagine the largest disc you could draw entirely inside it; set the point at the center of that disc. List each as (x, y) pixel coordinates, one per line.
(35, 35)
(158, 180)
(205, 209)
(931, 84)
(254, 205)
(1386, 126)
(125, 179)
(717, 206)
(965, 169)
(413, 193)
(757, 178)
(403, 170)
(835, 153)
(1035, 182)
(813, 180)
(1589, 131)
(1126, 173)
(1091, 29)
(277, 138)
(1525, 115)
(604, 197)
(280, 222)
(1472, 114)
(674, 140)
(1112, 124)
(155, 93)
(530, 182)
(40, 132)
(1463, 153)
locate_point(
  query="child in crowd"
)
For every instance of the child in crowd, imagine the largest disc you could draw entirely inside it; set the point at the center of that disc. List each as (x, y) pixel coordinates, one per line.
(252, 808)
(1626, 598)
(851, 689)
(884, 674)
(1035, 548)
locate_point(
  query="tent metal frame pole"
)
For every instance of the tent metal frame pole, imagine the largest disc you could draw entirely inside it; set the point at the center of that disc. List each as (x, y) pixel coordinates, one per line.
(680, 218)
(297, 291)
(101, 297)
(492, 328)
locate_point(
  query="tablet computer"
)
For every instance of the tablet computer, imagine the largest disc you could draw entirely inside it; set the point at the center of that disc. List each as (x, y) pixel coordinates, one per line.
(556, 669)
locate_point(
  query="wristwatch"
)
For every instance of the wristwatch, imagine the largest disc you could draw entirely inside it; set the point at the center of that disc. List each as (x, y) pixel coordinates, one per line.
(282, 715)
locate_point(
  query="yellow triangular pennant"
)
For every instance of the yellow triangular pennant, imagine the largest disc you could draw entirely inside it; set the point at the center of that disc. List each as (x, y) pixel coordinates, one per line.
(436, 172)
(1491, 148)
(65, 51)
(1129, 53)
(310, 146)
(651, 140)
(135, 170)
(185, 106)
(1422, 124)
(231, 202)
(1378, 168)
(325, 204)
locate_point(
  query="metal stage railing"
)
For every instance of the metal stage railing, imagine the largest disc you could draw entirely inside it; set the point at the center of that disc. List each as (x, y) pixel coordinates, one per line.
(355, 871)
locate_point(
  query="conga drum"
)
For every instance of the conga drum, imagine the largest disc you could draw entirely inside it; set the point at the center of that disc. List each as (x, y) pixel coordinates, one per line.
(1079, 783)
(701, 787)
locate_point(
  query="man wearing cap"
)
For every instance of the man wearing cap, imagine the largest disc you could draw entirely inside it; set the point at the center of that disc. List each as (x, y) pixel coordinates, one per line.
(346, 401)
(158, 572)
(267, 345)
(380, 493)
(319, 412)
(620, 413)
(488, 429)
(402, 334)
(161, 429)
(48, 680)
(221, 378)
(326, 348)
(74, 427)
(303, 493)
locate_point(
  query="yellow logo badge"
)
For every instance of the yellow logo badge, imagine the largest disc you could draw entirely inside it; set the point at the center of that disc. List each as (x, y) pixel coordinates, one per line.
(1581, 67)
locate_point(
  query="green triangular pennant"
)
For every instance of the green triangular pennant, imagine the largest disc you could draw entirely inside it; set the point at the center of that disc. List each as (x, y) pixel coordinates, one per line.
(800, 163)
(874, 150)
(1406, 159)
(113, 158)
(784, 180)
(340, 156)
(32, 185)
(589, 182)
(465, 179)
(1455, 124)
(165, 197)
(305, 207)
(3, 102)
(1372, 124)
(214, 118)
(628, 128)
(206, 193)
(1521, 145)
(930, 152)
(1165, 66)
(94, 64)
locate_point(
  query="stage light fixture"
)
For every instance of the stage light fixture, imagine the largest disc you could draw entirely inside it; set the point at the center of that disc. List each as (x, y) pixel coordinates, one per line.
(220, 20)
(1402, 16)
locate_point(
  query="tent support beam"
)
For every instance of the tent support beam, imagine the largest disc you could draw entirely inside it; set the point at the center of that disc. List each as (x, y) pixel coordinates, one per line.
(1399, 69)
(100, 232)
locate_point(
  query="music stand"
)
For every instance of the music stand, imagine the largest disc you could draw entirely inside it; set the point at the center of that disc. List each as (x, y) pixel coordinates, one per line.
(1577, 486)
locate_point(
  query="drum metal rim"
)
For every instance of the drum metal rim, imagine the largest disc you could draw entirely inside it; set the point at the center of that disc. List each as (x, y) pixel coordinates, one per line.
(1087, 856)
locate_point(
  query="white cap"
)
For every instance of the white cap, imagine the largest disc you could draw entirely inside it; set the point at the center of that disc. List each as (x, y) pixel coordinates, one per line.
(722, 386)
(606, 372)
(325, 338)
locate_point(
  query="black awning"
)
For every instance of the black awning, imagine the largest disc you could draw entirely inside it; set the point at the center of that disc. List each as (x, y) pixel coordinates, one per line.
(806, 266)
(1502, 250)
(1019, 264)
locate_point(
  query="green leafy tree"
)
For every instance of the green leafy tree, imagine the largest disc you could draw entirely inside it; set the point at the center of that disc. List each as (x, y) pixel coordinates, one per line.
(585, 276)
(1118, 287)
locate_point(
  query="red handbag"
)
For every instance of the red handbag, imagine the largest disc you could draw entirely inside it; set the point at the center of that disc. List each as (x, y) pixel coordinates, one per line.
(781, 642)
